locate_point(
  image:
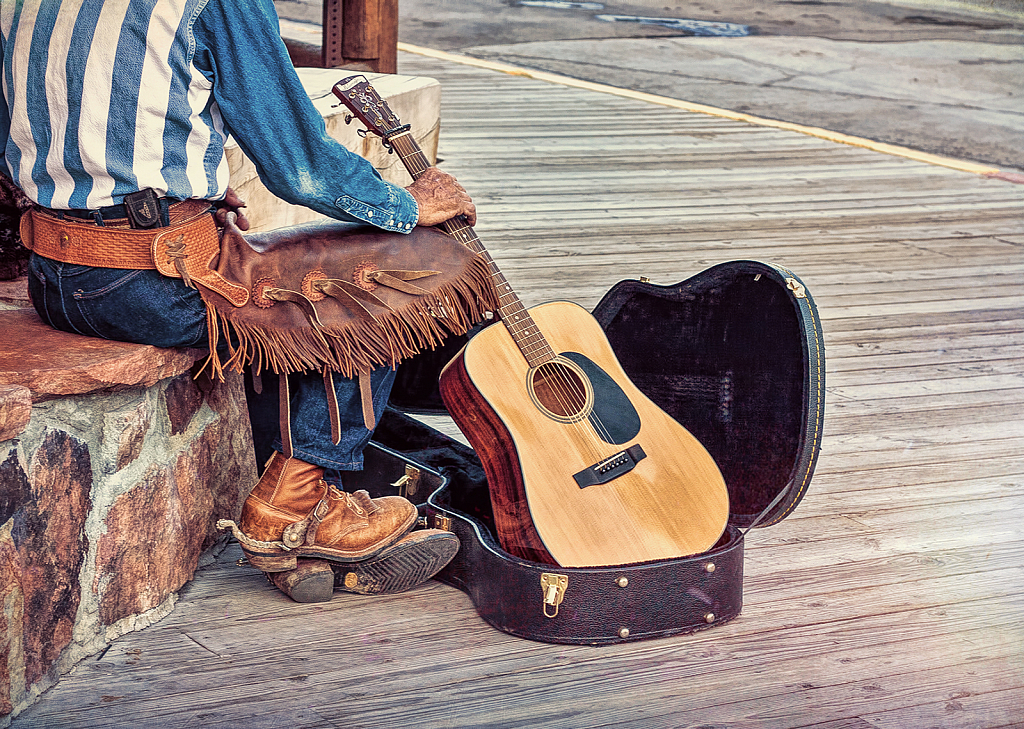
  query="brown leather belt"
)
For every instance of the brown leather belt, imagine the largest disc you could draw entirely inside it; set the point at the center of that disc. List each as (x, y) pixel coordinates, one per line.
(184, 249)
(115, 244)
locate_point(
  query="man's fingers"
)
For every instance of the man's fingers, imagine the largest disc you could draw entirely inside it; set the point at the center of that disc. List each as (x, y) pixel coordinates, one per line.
(470, 212)
(231, 199)
(231, 203)
(224, 215)
(440, 197)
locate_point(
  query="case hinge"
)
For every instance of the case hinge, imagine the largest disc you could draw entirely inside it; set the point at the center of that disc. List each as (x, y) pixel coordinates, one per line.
(554, 587)
(797, 288)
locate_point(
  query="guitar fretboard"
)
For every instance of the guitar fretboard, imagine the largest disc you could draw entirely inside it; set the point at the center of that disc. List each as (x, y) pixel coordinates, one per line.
(511, 311)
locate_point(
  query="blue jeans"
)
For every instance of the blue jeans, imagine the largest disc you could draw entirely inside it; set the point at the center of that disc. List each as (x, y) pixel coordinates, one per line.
(146, 307)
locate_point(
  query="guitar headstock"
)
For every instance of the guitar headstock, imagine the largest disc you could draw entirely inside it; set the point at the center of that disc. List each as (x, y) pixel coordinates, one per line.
(365, 103)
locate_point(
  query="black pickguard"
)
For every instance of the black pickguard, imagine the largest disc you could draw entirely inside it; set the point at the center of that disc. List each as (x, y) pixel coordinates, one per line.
(614, 418)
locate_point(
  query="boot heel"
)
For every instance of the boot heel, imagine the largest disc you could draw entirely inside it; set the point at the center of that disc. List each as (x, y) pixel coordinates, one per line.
(277, 563)
(311, 581)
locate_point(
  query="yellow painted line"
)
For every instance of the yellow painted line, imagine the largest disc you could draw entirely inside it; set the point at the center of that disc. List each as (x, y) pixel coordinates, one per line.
(837, 137)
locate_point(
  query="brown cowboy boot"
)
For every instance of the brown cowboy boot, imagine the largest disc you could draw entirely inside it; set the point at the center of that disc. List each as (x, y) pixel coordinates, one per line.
(292, 512)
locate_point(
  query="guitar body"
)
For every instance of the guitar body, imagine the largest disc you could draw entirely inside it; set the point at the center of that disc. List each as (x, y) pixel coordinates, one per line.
(583, 469)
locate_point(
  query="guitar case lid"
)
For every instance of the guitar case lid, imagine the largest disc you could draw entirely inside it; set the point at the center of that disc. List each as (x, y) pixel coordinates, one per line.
(735, 354)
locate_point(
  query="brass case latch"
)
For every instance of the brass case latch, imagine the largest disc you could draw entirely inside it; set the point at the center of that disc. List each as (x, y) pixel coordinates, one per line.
(408, 484)
(554, 587)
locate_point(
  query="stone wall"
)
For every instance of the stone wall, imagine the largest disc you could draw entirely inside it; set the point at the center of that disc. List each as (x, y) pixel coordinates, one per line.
(109, 493)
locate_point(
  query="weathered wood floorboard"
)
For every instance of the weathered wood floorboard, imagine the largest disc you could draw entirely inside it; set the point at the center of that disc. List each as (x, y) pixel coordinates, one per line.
(892, 598)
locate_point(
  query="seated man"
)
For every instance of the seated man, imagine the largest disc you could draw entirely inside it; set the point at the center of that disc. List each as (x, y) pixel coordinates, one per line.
(112, 110)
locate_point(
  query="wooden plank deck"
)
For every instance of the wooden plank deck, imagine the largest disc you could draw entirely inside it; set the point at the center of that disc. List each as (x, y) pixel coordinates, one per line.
(892, 598)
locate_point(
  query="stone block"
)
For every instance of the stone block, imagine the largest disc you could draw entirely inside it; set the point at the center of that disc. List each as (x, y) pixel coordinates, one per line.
(156, 530)
(15, 490)
(12, 656)
(415, 100)
(110, 518)
(183, 400)
(154, 535)
(49, 535)
(124, 435)
(232, 468)
(85, 364)
(15, 410)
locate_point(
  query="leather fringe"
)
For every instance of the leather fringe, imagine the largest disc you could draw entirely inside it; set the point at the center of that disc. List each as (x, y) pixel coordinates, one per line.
(362, 345)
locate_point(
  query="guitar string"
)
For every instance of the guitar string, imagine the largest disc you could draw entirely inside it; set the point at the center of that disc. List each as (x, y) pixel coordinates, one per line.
(570, 397)
(566, 385)
(561, 381)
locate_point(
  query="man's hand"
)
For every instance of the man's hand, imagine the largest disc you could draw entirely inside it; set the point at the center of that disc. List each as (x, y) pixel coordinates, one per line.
(440, 197)
(231, 204)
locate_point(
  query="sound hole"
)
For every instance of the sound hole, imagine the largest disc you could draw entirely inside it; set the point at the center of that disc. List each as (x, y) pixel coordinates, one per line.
(561, 390)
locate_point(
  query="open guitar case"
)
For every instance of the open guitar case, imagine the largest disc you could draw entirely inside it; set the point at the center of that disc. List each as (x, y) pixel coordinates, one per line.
(735, 355)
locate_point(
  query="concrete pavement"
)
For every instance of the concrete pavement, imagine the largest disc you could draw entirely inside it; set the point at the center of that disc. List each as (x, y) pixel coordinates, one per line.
(955, 98)
(938, 76)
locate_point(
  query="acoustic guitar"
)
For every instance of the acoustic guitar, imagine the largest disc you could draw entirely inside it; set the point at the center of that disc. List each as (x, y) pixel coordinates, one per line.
(583, 469)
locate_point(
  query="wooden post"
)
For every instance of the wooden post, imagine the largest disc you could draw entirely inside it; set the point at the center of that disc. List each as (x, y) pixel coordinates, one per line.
(361, 34)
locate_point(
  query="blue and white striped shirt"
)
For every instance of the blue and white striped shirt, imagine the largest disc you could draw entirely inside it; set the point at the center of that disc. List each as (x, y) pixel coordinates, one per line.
(106, 97)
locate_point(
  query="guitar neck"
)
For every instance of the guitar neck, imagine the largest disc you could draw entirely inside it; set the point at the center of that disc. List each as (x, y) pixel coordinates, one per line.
(511, 311)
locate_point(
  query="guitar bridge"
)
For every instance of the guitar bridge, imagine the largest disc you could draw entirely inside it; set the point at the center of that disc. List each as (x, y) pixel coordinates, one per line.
(610, 468)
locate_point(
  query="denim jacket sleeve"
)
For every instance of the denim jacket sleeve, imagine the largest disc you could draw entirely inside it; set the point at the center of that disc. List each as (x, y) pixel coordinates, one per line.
(266, 109)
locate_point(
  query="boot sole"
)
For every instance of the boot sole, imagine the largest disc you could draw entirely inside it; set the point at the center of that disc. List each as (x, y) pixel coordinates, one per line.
(410, 562)
(280, 560)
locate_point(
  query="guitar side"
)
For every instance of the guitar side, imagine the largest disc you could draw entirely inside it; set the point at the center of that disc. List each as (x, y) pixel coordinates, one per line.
(671, 502)
(492, 442)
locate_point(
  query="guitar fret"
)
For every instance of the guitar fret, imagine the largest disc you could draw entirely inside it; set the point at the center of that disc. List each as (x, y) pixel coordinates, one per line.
(536, 352)
(524, 329)
(521, 330)
(531, 341)
(515, 318)
(516, 324)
